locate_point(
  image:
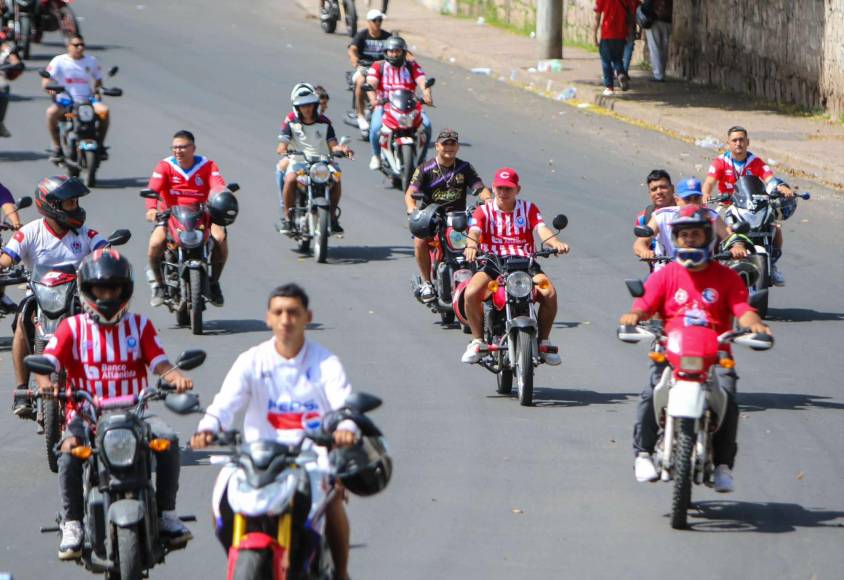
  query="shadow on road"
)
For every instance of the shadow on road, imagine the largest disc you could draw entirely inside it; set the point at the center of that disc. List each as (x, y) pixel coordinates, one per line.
(345, 255)
(761, 517)
(218, 327)
(25, 98)
(548, 397)
(122, 183)
(802, 315)
(749, 402)
(5, 343)
(22, 156)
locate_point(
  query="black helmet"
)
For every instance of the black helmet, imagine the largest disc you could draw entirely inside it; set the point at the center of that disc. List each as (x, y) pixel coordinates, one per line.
(105, 267)
(424, 223)
(223, 208)
(52, 191)
(364, 468)
(395, 43)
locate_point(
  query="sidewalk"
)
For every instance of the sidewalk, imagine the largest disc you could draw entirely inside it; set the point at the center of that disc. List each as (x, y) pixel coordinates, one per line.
(802, 147)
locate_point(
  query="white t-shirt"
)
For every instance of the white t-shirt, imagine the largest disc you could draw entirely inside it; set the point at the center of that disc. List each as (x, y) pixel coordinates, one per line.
(36, 244)
(77, 76)
(280, 395)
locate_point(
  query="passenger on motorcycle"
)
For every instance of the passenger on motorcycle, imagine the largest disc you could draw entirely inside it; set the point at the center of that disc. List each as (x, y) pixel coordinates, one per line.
(306, 133)
(366, 48)
(444, 180)
(688, 193)
(505, 226)
(661, 192)
(125, 345)
(58, 238)
(81, 76)
(12, 67)
(694, 290)
(275, 382)
(725, 171)
(184, 179)
(394, 73)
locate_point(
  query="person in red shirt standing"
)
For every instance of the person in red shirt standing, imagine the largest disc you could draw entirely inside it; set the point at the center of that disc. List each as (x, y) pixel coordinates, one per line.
(738, 162)
(614, 20)
(184, 179)
(694, 290)
(106, 351)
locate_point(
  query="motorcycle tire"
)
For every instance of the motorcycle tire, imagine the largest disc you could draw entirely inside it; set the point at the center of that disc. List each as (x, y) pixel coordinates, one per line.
(504, 379)
(447, 317)
(524, 368)
(196, 301)
(351, 17)
(408, 165)
(52, 431)
(328, 23)
(129, 552)
(25, 35)
(321, 235)
(68, 22)
(684, 443)
(254, 565)
(763, 283)
(183, 316)
(89, 174)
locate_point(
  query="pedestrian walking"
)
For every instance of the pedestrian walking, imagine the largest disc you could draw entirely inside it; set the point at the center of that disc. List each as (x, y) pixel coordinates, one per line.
(613, 22)
(658, 35)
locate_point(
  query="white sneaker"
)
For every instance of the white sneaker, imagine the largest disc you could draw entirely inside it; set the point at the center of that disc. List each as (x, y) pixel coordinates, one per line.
(375, 163)
(473, 352)
(70, 548)
(171, 528)
(550, 358)
(426, 292)
(363, 124)
(608, 92)
(644, 468)
(157, 295)
(4, 132)
(723, 479)
(776, 277)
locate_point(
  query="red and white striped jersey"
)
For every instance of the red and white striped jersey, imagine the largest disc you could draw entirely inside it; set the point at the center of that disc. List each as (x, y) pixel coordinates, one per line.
(507, 233)
(393, 78)
(106, 361)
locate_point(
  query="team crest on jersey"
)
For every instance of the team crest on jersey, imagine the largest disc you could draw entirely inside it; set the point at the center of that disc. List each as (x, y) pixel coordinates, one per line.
(198, 180)
(76, 246)
(680, 296)
(92, 372)
(132, 342)
(520, 221)
(710, 295)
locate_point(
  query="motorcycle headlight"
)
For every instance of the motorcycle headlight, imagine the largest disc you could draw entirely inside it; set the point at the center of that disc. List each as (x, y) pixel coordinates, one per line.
(51, 299)
(320, 173)
(190, 239)
(85, 113)
(519, 284)
(691, 363)
(120, 446)
(456, 240)
(406, 121)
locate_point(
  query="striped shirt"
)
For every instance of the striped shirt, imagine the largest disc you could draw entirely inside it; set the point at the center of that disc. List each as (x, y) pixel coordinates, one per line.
(106, 361)
(394, 78)
(507, 233)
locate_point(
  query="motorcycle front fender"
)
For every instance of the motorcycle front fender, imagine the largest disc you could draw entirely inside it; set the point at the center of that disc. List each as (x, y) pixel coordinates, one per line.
(687, 400)
(522, 323)
(319, 202)
(126, 512)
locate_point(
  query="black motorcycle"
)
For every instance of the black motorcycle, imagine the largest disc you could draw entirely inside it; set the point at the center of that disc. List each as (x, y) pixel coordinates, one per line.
(330, 15)
(32, 18)
(120, 517)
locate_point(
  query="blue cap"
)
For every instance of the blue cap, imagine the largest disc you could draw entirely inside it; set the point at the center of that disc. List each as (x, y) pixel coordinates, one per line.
(689, 187)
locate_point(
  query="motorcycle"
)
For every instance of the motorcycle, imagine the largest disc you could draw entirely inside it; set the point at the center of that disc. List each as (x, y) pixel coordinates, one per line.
(34, 17)
(55, 298)
(279, 494)
(16, 274)
(689, 404)
(403, 140)
(79, 134)
(351, 117)
(511, 341)
(753, 213)
(186, 267)
(120, 517)
(330, 14)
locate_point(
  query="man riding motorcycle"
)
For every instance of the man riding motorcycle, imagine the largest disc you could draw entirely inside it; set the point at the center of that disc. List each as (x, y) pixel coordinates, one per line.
(81, 76)
(393, 73)
(725, 171)
(125, 346)
(11, 67)
(661, 192)
(185, 179)
(10, 216)
(306, 133)
(56, 239)
(694, 290)
(287, 372)
(366, 48)
(505, 226)
(444, 180)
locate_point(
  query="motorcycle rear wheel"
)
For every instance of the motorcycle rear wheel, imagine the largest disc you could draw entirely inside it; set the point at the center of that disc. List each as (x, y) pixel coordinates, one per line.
(524, 368)
(328, 20)
(408, 165)
(196, 301)
(762, 283)
(254, 565)
(351, 17)
(25, 35)
(321, 234)
(447, 317)
(90, 173)
(682, 453)
(504, 379)
(129, 553)
(68, 22)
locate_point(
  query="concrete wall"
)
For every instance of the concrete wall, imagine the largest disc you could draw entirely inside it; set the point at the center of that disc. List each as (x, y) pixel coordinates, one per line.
(832, 74)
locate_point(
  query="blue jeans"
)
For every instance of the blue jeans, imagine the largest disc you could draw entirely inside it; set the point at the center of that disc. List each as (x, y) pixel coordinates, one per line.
(375, 130)
(628, 55)
(612, 59)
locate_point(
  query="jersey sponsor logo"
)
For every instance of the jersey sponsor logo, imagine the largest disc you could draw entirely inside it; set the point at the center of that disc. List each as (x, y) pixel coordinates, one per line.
(92, 234)
(92, 372)
(695, 316)
(710, 295)
(311, 420)
(520, 221)
(288, 406)
(681, 296)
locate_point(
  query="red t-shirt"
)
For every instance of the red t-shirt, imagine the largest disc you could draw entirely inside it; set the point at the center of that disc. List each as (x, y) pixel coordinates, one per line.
(682, 297)
(179, 187)
(614, 25)
(507, 233)
(393, 78)
(727, 171)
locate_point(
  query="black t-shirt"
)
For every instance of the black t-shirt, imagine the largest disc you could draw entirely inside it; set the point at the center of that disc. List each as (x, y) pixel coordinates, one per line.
(447, 186)
(370, 49)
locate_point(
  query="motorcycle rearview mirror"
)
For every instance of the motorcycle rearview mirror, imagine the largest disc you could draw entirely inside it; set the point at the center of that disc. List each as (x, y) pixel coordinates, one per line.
(39, 364)
(741, 227)
(182, 403)
(560, 222)
(119, 237)
(756, 341)
(150, 194)
(233, 186)
(113, 92)
(362, 402)
(43, 73)
(635, 287)
(113, 71)
(430, 82)
(190, 359)
(643, 232)
(24, 202)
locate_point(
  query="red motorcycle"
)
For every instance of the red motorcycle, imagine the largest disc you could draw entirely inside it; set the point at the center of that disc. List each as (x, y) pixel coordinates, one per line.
(32, 18)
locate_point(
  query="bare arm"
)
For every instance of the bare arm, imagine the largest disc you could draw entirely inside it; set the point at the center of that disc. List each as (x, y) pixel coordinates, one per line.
(6, 261)
(549, 238)
(642, 246)
(596, 27)
(10, 211)
(708, 186)
(752, 320)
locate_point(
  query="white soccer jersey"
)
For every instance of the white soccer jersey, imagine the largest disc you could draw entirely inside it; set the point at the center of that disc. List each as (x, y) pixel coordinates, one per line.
(77, 76)
(36, 244)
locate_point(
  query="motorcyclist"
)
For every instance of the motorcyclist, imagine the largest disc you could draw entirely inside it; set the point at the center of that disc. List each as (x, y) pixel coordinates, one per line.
(725, 171)
(129, 345)
(184, 178)
(444, 180)
(10, 216)
(505, 226)
(306, 133)
(661, 193)
(394, 73)
(694, 290)
(58, 238)
(11, 67)
(286, 373)
(366, 48)
(82, 79)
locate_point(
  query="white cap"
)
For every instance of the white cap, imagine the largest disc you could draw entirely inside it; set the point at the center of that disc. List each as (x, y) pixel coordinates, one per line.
(373, 14)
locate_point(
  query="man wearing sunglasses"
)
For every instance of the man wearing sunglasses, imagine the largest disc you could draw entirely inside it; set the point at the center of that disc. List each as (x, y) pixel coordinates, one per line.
(82, 80)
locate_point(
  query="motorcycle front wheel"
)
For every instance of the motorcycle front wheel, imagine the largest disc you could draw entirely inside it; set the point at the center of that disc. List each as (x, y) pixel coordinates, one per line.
(254, 565)
(524, 368)
(684, 442)
(328, 19)
(25, 35)
(129, 553)
(89, 174)
(321, 234)
(351, 17)
(408, 165)
(196, 301)
(68, 22)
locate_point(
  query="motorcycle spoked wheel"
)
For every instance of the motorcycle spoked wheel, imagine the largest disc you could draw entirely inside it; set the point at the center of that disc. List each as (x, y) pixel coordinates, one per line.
(683, 472)
(68, 22)
(254, 565)
(51, 415)
(197, 301)
(129, 552)
(321, 234)
(351, 13)
(524, 368)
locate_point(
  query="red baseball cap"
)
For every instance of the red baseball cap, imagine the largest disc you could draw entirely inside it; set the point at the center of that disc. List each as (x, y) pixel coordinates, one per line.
(506, 177)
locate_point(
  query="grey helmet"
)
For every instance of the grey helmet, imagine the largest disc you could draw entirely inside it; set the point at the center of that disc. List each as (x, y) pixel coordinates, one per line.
(395, 43)
(304, 94)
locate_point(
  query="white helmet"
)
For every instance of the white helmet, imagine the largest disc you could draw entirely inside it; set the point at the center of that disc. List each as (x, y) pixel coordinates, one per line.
(304, 94)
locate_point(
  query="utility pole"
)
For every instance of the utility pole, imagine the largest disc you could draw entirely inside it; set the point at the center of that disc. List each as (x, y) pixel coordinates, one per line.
(549, 28)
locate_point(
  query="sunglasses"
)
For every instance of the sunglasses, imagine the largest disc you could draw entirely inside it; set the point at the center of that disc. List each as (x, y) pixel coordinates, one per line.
(77, 44)
(448, 142)
(181, 147)
(378, 20)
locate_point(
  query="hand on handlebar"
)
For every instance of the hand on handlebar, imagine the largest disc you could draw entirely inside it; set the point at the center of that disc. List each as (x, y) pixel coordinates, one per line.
(738, 251)
(470, 253)
(152, 215)
(629, 319)
(560, 247)
(343, 438)
(202, 439)
(180, 381)
(785, 190)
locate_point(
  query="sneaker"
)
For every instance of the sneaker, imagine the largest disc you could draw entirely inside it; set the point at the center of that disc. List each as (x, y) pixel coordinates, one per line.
(102, 154)
(723, 479)
(473, 352)
(215, 294)
(171, 529)
(4, 132)
(624, 81)
(286, 227)
(363, 124)
(776, 277)
(157, 298)
(8, 305)
(608, 92)
(550, 358)
(336, 228)
(375, 163)
(22, 405)
(644, 468)
(70, 548)
(426, 293)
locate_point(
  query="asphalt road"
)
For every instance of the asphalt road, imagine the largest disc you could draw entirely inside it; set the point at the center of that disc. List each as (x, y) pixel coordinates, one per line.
(483, 488)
